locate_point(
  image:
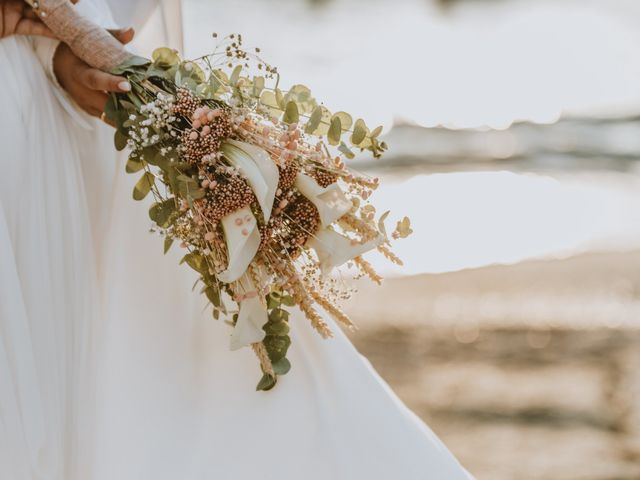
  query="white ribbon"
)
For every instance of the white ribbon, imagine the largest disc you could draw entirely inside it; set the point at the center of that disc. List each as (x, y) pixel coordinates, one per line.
(252, 316)
(334, 249)
(258, 168)
(330, 201)
(243, 240)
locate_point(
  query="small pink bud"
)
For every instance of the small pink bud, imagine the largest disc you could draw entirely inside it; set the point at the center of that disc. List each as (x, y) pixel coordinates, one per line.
(216, 113)
(209, 236)
(198, 112)
(283, 203)
(193, 136)
(206, 130)
(205, 183)
(196, 124)
(213, 185)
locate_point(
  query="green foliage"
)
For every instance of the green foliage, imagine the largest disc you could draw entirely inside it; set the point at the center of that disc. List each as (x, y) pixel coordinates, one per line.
(291, 114)
(335, 131)
(266, 383)
(277, 340)
(143, 187)
(168, 241)
(134, 164)
(162, 212)
(165, 57)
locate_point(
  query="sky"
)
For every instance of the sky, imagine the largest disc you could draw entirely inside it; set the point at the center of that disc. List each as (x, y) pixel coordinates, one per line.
(480, 64)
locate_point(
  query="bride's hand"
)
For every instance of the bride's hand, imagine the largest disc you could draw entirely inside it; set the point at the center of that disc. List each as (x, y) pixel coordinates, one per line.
(17, 18)
(89, 87)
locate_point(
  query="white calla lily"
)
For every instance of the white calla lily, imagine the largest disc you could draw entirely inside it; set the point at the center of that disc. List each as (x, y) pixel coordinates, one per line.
(259, 170)
(243, 240)
(330, 201)
(334, 249)
(253, 312)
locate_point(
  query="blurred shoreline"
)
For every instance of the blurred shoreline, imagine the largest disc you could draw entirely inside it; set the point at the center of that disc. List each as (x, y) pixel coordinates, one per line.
(591, 290)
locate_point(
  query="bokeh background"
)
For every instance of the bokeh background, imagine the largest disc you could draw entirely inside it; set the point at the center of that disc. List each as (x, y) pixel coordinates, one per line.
(514, 135)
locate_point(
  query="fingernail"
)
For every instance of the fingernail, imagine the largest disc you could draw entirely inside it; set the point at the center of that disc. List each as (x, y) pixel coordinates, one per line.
(124, 86)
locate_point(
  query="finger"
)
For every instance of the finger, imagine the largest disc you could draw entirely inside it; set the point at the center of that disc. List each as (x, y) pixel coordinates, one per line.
(97, 101)
(123, 35)
(11, 17)
(98, 80)
(31, 27)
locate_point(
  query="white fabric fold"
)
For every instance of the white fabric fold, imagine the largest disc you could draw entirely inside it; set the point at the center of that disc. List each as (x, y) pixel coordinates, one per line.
(243, 240)
(252, 316)
(330, 201)
(334, 249)
(256, 165)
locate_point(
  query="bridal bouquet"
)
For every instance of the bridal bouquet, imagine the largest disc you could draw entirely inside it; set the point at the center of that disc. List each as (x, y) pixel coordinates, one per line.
(251, 181)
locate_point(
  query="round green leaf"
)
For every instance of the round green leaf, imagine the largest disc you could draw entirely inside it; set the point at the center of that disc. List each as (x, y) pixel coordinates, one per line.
(143, 187)
(268, 99)
(291, 114)
(165, 56)
(345, 120)
(282, 366)
(335, 131)
(267, 382)
(359, 132)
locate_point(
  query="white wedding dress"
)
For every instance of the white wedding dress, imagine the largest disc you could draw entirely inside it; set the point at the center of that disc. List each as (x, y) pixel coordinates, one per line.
(111, 369)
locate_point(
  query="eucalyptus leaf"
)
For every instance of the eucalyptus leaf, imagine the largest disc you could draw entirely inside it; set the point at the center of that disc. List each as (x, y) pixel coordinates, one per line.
(291, 114)
(266, 383)
(345, 120)
(119, 140)
(276, 328)
(143, 187)
(168, 241)
(195, 261)
(288, 301)
(359, 132)
(235, 75)
(213, 294)
(165, 56)
(134, 164)
(346, 151)
(376, 132)
(335, 131)
(161, 212)
(323, 125)
(277, 346)
(314, 120)
(282, 366)
(258, 86)
(280, 99)
(268, 99)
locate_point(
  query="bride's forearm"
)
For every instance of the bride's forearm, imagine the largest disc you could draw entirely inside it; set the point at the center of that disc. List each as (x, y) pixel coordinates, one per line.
(88, 41)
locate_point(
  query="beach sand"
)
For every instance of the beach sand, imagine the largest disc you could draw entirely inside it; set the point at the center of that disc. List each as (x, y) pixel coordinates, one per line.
(527, 371)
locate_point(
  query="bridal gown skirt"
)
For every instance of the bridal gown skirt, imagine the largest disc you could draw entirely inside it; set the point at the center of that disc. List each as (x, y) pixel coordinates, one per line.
(48, 287)
(177, 403)
(88, 301)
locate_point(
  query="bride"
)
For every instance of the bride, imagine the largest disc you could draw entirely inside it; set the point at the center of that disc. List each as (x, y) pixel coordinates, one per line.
(108, 367)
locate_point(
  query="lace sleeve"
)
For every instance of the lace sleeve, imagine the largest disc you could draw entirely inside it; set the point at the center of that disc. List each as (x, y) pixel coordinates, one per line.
(88, 41)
